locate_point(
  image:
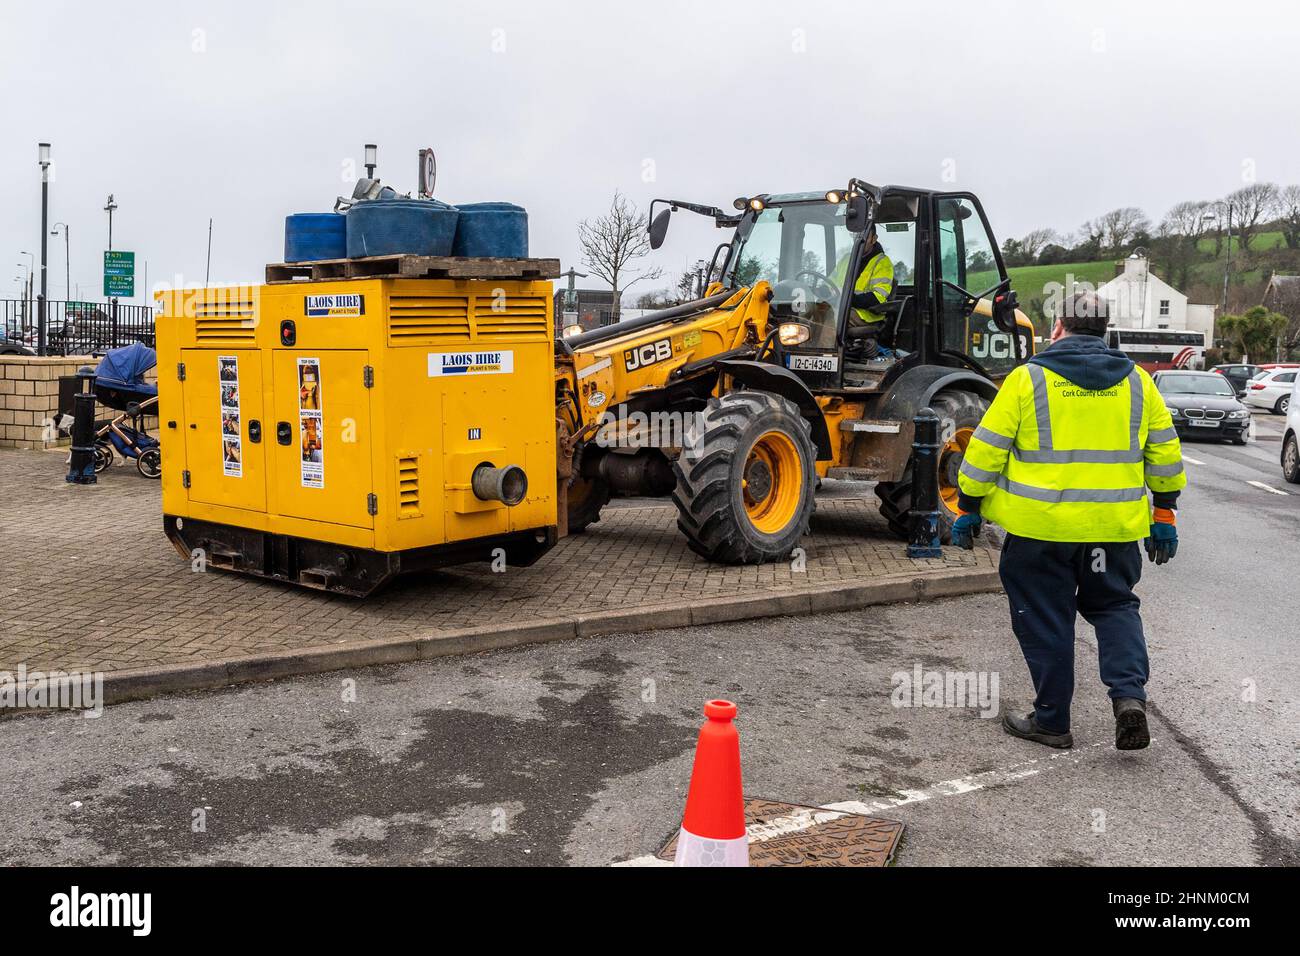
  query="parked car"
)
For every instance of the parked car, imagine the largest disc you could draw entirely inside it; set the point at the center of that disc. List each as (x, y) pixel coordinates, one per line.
(1203, 405)
(10, 346)
(1237, 374)
(1272, 389)
(1291, 439)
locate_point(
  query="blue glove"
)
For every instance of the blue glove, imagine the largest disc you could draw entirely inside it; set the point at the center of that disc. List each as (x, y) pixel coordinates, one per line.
(965, 530)
(1162, 545)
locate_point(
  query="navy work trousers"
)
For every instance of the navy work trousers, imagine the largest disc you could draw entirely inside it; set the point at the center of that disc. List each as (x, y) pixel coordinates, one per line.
(1048, 583)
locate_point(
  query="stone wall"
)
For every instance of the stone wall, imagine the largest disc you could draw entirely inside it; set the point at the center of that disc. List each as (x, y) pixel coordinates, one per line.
(29, 398)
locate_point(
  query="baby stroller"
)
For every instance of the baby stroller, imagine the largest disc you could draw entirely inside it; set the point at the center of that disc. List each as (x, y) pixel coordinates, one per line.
(120, 385)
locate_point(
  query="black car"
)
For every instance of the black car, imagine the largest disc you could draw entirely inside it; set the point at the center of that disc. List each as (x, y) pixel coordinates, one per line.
(10, 346)
(1239, 375)
(1204, 405)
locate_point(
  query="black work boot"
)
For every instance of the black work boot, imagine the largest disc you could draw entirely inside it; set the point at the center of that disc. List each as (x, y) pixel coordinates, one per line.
(1131, 731)
(1026, 728)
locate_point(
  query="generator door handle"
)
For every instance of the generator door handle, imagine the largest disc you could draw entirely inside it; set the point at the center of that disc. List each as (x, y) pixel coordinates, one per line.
(254, 431)
(284, 433)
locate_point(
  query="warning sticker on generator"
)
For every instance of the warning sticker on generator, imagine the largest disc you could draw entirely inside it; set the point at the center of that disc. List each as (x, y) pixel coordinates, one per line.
(334, 306)
(232, 451)
(471, 363)
(311, 430)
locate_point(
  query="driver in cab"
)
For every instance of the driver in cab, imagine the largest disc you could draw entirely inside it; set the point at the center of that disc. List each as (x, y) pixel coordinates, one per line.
(874, 286)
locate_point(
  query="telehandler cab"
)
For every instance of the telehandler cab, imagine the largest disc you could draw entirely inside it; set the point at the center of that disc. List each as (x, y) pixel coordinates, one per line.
(736, 404)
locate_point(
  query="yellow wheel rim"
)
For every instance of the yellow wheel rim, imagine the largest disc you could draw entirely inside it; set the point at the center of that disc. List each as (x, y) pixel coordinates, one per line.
(955, 446)
(772, 483)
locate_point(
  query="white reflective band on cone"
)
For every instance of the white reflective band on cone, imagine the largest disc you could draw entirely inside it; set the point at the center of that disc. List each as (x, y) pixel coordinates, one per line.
(695, 850)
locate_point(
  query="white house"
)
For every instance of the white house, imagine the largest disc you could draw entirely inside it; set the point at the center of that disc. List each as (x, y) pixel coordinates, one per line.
(1140, 299)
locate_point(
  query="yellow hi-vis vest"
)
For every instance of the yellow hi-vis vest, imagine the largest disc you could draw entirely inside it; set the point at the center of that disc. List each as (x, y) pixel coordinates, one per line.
(1057, 462)
(877, 277)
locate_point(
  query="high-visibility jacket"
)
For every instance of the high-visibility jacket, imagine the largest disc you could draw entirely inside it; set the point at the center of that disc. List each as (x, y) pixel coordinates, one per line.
(877, 278)
(1058, 462)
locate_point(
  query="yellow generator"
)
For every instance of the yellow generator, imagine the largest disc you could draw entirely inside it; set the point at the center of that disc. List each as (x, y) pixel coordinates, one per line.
(337, 432)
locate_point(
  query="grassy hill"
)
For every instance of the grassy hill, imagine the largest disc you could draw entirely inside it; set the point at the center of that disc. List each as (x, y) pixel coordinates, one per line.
(1033, 284)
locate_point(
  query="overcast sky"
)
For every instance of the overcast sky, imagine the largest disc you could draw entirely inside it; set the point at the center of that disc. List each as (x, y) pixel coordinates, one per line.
(244, 112)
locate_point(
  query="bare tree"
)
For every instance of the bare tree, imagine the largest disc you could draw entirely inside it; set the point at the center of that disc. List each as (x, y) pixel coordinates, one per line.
(1034, 242)
(1117, 228)
(1179, 238)
(1187, 219)
(612, 243)
(1249, 205)
(1286, 206)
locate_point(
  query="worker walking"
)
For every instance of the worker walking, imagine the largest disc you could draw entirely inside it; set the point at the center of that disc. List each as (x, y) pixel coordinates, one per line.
(1063, 460)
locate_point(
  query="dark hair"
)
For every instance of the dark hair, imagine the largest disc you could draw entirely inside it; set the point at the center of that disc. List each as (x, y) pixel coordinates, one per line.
(1085, 313)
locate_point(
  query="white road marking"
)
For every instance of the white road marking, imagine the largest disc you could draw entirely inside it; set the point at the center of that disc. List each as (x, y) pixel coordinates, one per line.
(1194, 461)
(1260, 484)
(802, 820)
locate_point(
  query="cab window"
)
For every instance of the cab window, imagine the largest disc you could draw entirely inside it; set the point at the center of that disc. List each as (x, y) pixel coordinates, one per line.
(968, 270)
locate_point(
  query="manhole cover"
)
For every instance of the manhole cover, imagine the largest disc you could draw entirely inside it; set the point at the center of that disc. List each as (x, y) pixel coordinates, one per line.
(788, 834)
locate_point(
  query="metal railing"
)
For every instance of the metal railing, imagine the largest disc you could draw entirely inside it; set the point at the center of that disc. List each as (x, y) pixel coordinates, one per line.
(73, 328)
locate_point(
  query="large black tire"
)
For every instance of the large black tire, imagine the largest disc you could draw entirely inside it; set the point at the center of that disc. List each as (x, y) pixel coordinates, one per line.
(959, 413)
(586, 497)
(745, 481)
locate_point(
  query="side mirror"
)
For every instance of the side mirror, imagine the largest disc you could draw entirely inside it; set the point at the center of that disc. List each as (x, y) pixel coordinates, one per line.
(1004, 310)
(855, 213)
(659, 227)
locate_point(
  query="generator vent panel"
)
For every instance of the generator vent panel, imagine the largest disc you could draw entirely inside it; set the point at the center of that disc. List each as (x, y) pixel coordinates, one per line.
(511, 317)
(428, 319)
(225, 323)
(408, 486)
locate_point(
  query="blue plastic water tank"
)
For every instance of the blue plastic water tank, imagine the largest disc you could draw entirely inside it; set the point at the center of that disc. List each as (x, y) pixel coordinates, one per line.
(492, 230)
(415, 227)
(315, 235)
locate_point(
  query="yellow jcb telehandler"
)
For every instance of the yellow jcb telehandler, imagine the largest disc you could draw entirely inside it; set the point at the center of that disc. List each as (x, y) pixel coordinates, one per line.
(736, 404)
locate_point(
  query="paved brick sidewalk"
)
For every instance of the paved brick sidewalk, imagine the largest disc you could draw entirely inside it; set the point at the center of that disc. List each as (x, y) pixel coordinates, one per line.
(89, 582)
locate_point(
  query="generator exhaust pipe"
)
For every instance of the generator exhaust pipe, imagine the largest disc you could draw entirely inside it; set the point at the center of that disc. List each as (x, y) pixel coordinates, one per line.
(508, 485)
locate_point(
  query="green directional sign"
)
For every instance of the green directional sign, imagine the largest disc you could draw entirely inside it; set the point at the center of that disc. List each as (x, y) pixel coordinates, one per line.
(119, 274)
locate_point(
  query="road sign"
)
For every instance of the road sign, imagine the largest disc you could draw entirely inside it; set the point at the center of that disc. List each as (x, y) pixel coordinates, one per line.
(119, 274)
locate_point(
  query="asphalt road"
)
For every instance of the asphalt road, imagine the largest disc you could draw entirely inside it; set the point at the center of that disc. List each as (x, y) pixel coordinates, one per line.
(580, 752)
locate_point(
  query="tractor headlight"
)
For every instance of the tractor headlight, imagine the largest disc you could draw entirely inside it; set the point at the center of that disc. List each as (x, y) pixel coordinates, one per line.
(571, 330)
(835, 197)
(793, 333)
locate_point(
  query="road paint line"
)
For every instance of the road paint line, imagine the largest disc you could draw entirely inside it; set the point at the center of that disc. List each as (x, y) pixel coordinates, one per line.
(1270, 488)
(1194, 461)
(972, 783)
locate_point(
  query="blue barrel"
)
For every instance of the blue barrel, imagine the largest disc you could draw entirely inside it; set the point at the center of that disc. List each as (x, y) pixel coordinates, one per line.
(492, 230)
(413, 227)
(315, 235)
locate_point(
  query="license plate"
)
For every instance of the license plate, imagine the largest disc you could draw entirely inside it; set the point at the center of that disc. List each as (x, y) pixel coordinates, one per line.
(1199, 424)
(813, 363)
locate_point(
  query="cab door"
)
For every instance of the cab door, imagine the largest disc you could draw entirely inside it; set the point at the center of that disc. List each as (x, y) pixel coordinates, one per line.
(322, 438)
(968, 268)
(224, 442)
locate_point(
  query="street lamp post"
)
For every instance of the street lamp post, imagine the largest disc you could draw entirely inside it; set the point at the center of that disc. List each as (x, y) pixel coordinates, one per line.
(43, 151)
(372, 159)
(67, 258)
(108, 208)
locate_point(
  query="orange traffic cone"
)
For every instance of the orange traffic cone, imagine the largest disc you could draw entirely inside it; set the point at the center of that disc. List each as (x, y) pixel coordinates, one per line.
(713, 827)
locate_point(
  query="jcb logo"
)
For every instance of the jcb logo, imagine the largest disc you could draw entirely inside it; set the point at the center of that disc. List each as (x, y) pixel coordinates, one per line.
(997, 345)
(647, 354)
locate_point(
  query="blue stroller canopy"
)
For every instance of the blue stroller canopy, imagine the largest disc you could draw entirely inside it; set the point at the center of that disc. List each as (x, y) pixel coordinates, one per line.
(127, 365)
